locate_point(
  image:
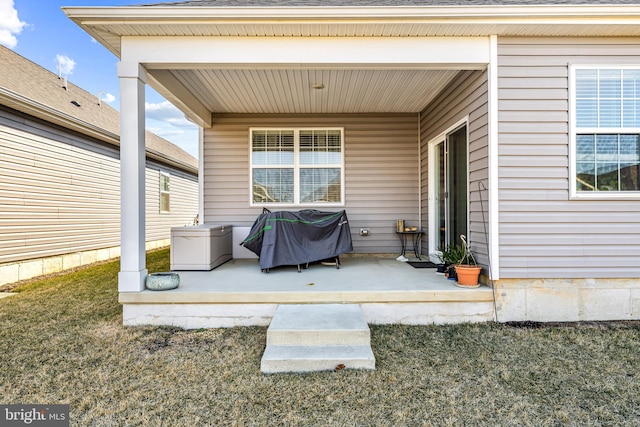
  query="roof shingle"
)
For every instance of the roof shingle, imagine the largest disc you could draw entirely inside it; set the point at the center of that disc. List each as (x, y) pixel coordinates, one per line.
(26, 80)
(384, 3)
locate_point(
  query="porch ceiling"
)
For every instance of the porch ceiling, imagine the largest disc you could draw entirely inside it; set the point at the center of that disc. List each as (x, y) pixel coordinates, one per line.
(289, 91)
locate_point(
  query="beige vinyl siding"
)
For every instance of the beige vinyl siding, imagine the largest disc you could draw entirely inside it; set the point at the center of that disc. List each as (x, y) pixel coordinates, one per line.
(466, 96)
(57, 192)
(381, 172)
(543, 234)
(60, 192)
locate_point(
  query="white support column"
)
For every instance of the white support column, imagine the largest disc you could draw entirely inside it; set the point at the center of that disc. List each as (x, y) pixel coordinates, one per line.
(132, 183)
(494, 193)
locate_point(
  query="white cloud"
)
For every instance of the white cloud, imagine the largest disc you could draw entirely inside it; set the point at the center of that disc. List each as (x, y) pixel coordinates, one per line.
(108, 98)
(166, 121)
(10, 24)
(168, 134)
(168, 113)
(65, 63)
(187, 139)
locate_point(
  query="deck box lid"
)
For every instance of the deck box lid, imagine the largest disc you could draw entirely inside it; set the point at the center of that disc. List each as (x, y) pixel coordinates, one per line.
(201, 230)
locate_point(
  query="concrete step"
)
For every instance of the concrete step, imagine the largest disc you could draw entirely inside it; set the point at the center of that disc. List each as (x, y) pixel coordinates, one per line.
(278, 359)
(317, 337)
(318, 324)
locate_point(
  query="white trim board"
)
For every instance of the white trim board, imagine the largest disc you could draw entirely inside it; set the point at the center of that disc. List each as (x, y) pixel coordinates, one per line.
(377, 52)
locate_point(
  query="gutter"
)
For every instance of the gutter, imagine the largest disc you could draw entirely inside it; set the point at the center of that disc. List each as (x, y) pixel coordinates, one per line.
(157, 155)
(204, 14)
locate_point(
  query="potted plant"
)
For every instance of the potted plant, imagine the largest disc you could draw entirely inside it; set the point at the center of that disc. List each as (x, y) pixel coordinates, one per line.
(441, 267)
(467, 269)
(449, 257)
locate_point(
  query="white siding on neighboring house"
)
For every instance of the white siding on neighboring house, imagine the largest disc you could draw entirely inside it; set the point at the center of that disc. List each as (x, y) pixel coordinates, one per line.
(381, 172)
(543, 234)
(183, 201)
(60, 192)
(465, 96)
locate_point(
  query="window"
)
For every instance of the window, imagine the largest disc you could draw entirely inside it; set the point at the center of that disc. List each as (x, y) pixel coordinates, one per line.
(165, 204)
(606, 119)
(297, 166)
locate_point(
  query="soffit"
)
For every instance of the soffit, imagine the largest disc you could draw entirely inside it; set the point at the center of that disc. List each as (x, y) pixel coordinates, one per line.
(291, 91)
(111, 34)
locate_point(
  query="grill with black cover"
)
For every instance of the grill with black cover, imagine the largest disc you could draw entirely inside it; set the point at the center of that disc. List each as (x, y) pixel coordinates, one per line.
(298, 238)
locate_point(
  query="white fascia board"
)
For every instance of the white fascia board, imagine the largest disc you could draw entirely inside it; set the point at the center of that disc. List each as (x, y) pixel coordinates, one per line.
(383, 52)
(133, 15)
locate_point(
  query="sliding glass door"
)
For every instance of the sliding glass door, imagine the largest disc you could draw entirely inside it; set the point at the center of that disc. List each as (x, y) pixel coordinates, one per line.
(448, 201)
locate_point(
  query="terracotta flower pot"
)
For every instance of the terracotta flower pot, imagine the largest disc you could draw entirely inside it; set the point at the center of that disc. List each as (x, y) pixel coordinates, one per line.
(468, 275)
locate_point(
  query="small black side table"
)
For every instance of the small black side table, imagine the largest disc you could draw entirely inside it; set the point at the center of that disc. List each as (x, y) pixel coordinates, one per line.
(416, 236)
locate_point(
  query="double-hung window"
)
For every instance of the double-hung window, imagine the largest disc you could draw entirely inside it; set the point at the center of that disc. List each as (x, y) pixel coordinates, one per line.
(165, 192)
(297, 166)
(606, 131)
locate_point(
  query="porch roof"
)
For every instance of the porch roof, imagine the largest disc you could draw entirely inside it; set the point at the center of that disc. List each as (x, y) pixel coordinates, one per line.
(340, 18)
(205, 86)
(365, 3)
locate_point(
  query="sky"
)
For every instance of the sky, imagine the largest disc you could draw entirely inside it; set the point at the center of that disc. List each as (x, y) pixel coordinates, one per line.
(41, 32)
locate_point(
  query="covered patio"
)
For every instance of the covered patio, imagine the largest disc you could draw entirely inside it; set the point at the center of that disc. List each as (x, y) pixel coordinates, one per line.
(237, 293)
(386, 95)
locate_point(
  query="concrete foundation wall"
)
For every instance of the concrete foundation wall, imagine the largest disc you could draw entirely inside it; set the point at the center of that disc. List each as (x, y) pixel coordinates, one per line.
(567, 300)
(194, 316)
(550, 300)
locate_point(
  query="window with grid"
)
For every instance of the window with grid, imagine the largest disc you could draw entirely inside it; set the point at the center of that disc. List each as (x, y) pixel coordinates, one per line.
(297, 166)
(165, 193)
(607, 129)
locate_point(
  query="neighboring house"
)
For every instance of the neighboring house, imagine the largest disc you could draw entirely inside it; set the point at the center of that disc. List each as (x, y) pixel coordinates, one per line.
(514, 122)
(60, 176)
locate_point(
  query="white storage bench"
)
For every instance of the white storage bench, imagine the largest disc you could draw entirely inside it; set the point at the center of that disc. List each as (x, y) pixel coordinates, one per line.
(201, 247)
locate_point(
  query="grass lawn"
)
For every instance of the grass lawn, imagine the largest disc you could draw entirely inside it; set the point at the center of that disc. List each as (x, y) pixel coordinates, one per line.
(62, 341)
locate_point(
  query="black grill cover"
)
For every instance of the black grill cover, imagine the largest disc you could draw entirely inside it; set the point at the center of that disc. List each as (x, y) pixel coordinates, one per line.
(293, 238)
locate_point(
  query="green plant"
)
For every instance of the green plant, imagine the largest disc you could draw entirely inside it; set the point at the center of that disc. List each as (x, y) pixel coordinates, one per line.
(467, 257)
(451, 254)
